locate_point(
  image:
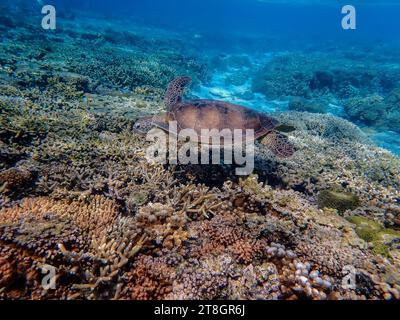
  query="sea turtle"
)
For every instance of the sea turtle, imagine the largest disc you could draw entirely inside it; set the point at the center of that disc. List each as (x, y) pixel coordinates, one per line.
(212, 114)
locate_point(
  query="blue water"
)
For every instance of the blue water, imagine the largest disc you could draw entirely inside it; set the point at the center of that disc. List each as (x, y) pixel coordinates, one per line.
(258, 30)
(304, 19)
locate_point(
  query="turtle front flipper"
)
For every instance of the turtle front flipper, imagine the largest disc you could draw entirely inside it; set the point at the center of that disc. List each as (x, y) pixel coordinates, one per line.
(174, 93)
(279, 144)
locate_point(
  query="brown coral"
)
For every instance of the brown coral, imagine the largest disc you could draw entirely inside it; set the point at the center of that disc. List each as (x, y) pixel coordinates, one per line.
(13, 179)
(162, 224)
(150, 279)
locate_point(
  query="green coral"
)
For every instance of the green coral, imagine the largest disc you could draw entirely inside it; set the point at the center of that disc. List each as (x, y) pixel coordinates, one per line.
(373, 232)
(339, 200)
(366, 229)
(140, 198)
(371, 109)
(381, 249)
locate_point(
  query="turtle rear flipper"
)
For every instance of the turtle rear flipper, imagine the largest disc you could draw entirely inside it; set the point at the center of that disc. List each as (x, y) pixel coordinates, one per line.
(279, 144)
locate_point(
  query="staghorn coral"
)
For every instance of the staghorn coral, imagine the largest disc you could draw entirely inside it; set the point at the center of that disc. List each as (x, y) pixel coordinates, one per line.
(242, 224)
(216, 249)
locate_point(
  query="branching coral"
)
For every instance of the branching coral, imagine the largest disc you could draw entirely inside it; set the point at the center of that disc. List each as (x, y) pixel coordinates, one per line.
(71, 236)
(162, 224)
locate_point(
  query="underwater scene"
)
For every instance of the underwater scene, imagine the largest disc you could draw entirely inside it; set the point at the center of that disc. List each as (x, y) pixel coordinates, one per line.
(199, 150)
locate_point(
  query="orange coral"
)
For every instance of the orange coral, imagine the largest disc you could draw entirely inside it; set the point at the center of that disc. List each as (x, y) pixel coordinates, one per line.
(7, 271)
(244, 251)
(93, 215)
(150, 279)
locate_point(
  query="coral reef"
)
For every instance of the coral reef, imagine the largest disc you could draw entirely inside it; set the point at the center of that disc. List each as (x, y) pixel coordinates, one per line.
(383, 240)
(367, 90)
(76, 238)
(369, 110)
(14, 180)
(323, 74)
(77, 194)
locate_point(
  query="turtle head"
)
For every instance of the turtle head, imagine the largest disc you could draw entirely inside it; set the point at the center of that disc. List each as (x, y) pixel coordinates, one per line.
(143, 125)
(175, 89)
